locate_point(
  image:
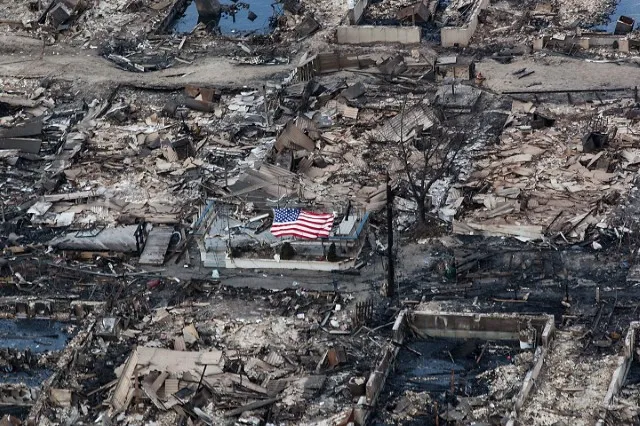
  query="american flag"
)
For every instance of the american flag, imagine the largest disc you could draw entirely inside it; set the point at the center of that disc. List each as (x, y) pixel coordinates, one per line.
(300, 223)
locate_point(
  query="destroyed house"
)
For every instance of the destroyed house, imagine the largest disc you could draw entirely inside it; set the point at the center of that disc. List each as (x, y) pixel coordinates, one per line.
(454, 67)
(235, 242)
(422, 11)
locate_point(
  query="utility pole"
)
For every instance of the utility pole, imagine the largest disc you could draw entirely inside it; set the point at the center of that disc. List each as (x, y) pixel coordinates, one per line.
(390, 266)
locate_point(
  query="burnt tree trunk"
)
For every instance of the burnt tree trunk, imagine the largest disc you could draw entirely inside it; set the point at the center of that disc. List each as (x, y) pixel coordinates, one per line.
(422, 211)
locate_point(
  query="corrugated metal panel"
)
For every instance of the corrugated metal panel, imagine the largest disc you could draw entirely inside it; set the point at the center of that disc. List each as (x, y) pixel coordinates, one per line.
(169, 153)
(399, 127)
(156, 246)
(292, 137)
(170, 387)
(328, 62)
(274, 359)
(304, 123)
(31, 128)
(418, 11)
(347, 111)
(275, 186)
(304, 165)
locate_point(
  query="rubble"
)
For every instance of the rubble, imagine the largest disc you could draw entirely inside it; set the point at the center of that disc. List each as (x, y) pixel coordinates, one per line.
(581, 389)
(329, 213)
(526, 159)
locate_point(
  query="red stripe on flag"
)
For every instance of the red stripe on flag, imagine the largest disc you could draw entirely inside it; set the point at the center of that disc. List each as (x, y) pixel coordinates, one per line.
(309, 225)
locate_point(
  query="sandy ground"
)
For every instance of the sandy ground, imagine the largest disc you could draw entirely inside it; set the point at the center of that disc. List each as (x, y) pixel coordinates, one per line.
(557, 73)
(25, 59)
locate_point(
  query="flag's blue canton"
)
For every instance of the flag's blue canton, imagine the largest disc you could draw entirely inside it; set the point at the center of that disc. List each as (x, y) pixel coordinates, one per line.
(286, 215)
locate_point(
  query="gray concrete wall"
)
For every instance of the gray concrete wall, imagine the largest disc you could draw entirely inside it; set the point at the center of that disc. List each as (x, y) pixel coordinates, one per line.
(378, 377)
(532, 375)
(53, 309)
(586, 41)
(309, 265)
(455, 325)
(477, 326)
(624, 364)
(530, 379)
(366, 34)
(617, 380)
(451, 36)
(548, 331)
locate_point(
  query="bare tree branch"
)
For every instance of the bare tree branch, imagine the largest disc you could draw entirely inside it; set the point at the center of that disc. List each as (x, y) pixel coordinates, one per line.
(436, 148)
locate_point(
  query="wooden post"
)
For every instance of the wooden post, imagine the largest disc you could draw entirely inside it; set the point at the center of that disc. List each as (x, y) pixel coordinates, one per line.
(226, 180)
(266, 110)
(390, 266)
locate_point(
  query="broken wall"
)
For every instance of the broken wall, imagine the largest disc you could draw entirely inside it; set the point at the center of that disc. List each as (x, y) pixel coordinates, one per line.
(460, 36)
(620, 375)
(620, 43)
(373, 34)
(478, 326)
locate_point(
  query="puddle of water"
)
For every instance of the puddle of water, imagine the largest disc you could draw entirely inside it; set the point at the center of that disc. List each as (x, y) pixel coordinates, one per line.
(237, 23)
(431, 372)
(630, 8)
(35, 334)
(33, 378)
(19, 412)
(633, 377)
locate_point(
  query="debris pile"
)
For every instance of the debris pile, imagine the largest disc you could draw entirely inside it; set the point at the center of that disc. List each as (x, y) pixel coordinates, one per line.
(198, 216)
(200, 360)
(547, 176)
(572, 391)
